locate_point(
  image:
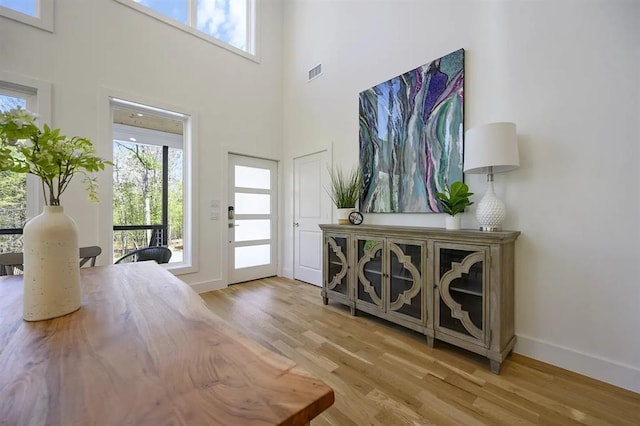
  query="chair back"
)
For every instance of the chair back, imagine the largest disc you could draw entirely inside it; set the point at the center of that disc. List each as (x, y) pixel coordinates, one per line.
(12, 263)
(89, 254)
(160, 254)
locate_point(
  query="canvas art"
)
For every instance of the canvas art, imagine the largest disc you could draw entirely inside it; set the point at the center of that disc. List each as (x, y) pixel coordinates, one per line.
(411, 137)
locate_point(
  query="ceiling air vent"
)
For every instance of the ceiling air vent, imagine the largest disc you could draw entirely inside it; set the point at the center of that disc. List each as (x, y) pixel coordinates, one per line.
(315, 72)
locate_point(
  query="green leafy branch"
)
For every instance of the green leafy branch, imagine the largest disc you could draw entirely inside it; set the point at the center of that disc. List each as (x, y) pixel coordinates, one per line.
(46, 153)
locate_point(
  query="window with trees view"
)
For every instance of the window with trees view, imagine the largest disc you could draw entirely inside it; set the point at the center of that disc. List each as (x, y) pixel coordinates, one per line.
(16, 203)
(228, 21)
(13, 192)
(148, 190)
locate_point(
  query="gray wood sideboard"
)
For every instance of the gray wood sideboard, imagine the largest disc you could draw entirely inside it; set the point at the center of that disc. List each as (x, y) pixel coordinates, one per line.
(454, 286)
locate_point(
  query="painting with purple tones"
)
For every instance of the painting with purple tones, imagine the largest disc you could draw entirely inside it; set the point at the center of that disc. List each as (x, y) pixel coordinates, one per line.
(411, 137)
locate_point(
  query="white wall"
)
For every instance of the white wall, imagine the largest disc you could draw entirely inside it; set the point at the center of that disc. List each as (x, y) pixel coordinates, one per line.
(101, 47)
(566, 72)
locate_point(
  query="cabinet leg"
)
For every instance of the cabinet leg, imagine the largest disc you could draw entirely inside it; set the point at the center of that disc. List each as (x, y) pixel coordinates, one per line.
(353, 311)
(430, 341)
(495, 366)
(325, 300)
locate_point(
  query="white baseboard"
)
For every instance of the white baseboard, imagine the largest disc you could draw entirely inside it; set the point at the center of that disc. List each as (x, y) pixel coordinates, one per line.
(287, 273)
(606, 370)
(205, 286)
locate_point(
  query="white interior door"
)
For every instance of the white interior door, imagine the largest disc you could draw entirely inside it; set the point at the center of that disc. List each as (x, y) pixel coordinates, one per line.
(252, 218)
(312, 206)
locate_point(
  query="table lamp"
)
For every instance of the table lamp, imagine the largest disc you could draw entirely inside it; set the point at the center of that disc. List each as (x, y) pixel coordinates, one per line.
(491, 148)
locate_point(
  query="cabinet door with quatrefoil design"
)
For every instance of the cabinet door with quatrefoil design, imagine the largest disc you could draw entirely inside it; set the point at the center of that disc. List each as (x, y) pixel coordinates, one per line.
(405, 279)
(336, 250)
(370, 273)
(462, 291)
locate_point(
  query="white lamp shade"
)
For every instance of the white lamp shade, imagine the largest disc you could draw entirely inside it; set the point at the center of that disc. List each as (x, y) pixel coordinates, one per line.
(491, 145)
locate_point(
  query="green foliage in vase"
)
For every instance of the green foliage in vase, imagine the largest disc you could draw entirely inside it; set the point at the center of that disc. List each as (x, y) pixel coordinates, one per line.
(345, 187)
(55, 158)
(455, 198)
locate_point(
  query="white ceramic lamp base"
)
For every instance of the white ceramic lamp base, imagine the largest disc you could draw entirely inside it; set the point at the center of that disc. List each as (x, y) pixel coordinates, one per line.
(491, 211)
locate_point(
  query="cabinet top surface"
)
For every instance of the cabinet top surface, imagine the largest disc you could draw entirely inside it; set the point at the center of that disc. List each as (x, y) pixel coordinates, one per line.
(416, 231)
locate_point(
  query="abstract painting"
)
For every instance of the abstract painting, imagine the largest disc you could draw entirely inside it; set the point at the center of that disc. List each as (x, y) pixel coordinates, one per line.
(411, 137)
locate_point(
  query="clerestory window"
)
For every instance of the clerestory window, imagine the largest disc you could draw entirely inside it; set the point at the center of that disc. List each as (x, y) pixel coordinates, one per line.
(37, 13)
(228, 23)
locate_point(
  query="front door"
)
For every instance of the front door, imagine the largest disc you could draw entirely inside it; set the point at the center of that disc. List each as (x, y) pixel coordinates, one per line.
(312, 206)
(252, 218)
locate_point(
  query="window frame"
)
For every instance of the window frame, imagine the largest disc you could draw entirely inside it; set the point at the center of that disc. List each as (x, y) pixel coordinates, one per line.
(38, 95)
(252, 26)
(43, 19)
(190, 224)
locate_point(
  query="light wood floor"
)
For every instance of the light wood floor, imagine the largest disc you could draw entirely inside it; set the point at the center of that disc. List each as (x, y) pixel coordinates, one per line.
(385, 375)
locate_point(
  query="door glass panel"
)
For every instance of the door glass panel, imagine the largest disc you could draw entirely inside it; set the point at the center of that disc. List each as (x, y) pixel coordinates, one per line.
(252, 177)
(248, 230)
(252, 203)
(252, 256)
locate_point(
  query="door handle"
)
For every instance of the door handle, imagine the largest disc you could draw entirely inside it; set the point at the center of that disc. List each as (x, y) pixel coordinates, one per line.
(296, 224)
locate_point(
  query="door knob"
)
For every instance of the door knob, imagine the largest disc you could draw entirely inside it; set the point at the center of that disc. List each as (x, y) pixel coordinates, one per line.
(296, 224)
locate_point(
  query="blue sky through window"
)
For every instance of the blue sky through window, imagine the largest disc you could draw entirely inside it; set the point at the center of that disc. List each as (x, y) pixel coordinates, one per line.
(174, 9)
(28, 7)
(225, 20)
(11, 102)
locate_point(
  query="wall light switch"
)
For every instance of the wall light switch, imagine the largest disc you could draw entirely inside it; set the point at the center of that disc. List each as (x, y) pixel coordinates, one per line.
(214, 210)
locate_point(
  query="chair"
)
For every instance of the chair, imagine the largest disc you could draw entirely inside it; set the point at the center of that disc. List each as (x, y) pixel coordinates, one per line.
(12, 262)
(156, 239)
(89, 254)
(159, 254)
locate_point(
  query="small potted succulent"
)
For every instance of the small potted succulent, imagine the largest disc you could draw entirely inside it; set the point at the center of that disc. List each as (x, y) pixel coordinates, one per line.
(454, 200)
(345, 191)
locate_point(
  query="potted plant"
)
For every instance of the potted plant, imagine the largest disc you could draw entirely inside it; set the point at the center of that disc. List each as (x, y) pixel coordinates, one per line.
(51, 269)
(345, 191)
(454, 200)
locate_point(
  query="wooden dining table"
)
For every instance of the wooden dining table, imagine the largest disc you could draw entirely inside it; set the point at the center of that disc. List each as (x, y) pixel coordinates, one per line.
(143, 349)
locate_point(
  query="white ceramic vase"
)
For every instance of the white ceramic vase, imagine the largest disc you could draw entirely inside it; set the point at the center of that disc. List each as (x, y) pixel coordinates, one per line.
(343, 215)
(452, 222)
(51, 266)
